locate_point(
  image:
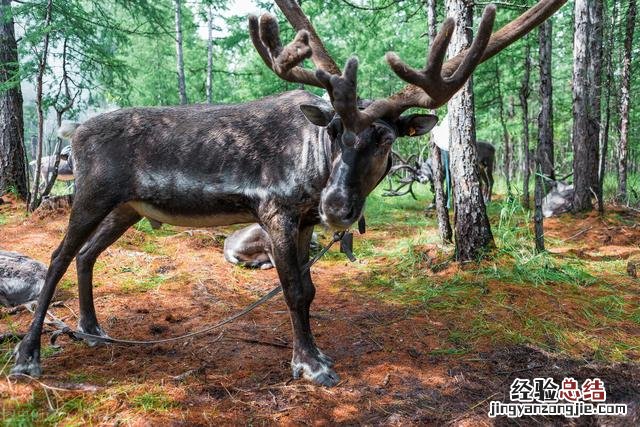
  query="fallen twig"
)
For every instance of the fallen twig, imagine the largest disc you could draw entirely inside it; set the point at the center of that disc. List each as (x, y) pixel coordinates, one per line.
(187, 374)
(257, 341)
(577, 234)
(28, 306)
(11, 336)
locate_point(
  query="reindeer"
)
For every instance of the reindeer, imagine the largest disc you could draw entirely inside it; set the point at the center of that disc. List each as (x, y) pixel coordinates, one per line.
(47, 166)
(486, 157)
(249, 247)
(287, 161)
(422, 171)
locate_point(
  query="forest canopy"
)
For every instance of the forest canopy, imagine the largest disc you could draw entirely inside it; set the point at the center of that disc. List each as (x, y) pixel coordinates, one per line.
(122, 53)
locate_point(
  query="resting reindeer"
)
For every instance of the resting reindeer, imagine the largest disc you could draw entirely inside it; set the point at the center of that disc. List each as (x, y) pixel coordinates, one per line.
(286, 161)
(249, 247)
(47, 166)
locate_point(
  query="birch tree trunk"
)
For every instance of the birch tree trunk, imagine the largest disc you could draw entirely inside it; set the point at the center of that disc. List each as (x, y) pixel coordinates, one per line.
(182, 88)
(582, 150)
(524, 103)
(623, 151)
(210, 54)
(472, 229)
(442, 213)
(545, 149)
(12, 155)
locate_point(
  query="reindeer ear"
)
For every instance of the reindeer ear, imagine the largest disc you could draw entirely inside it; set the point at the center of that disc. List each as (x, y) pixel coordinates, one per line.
(319, 115)
(416, 124)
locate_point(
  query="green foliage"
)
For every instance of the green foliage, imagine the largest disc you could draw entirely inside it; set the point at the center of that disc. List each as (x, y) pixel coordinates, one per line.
(145, 226)
(123, 53)
(24, 415)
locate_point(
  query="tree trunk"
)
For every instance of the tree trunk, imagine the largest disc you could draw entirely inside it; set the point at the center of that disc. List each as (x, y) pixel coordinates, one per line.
(210, 54)
(582, 140)
(624, 103)
(538, 219)
(595, 89)
(472, 229)
(524, 103)
(608, 79)
(442, 212)
(182, 87)
(12, 157)
(505, 132)
(545, 150)
(42, 68)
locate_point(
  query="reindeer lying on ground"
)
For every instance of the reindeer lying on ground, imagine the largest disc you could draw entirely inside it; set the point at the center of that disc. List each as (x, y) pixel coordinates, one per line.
(287, 162)
(47, 166)
(559, 199)
(249, 247)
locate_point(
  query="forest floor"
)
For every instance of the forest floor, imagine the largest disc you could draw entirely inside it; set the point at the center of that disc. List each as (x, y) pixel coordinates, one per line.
(418, 339)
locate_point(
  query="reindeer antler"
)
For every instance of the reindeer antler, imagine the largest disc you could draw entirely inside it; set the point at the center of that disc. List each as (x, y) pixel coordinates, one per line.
(428, 88)
(265, 36)
(441, 87)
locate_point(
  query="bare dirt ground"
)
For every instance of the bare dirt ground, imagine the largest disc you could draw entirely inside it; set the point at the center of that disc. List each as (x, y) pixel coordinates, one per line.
(393, 357)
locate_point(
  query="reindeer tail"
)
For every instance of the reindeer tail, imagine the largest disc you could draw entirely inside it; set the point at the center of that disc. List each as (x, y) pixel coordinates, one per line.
(67, 129)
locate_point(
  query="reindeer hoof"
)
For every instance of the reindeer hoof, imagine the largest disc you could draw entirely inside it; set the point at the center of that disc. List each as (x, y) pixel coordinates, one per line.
(316, 369)
(93, 330)
(27, 361)
(326, 359)
(324, 376)
(31, 369)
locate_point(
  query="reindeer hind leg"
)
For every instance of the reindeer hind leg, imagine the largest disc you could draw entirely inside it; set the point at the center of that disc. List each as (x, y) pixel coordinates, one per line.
(86, 214)
(110, 230)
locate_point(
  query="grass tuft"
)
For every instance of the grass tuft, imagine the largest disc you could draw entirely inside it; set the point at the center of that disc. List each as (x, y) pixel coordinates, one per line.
(153, 402)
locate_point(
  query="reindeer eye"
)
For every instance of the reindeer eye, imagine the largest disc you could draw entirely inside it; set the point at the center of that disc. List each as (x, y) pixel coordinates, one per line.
(386, 140)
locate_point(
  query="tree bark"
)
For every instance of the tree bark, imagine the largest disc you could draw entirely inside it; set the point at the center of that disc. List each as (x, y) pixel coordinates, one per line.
(210, 54)
(42, 68)
(12, 156)
(442, 212)
(506, 138)
(545, 149)
(182, 87)
(608, 80)
(538, 219)
(582, 140)
(595, 89)
(472, 229)
(60, 111)
(524, 103)
(623, 144)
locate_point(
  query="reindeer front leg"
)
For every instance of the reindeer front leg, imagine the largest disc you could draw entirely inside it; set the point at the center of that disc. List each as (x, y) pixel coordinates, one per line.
(289, 256)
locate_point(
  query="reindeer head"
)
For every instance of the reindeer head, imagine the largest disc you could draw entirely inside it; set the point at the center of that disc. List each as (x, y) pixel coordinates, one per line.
(362, 134)
(361, 161)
